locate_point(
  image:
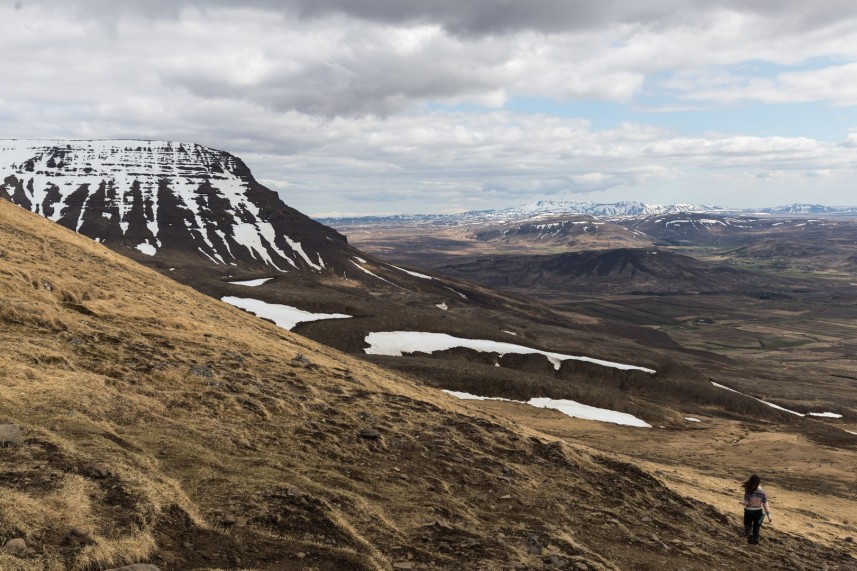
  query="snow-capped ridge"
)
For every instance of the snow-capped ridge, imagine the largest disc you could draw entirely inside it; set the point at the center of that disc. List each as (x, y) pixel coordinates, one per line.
(155, 195)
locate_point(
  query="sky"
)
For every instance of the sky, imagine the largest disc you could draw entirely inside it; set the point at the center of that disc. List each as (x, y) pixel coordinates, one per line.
(357, 107)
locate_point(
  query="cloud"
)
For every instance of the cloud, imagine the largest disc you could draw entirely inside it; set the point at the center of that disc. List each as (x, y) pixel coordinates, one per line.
(491, 17)
(449, 161)
(383, 57)
(401, 105)
(836, 84)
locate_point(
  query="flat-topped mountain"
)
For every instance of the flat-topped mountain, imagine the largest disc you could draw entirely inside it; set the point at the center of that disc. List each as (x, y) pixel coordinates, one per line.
(166, 200)
(621, 270)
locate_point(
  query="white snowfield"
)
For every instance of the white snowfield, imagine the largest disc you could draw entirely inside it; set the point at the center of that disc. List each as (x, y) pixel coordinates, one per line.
(147, 249)
(120, 165)
(410, 273)
(397, 343)
(365, 271)
(691, 419)
(778, 407)
(252, 283)
(570, 408)
(284, 316)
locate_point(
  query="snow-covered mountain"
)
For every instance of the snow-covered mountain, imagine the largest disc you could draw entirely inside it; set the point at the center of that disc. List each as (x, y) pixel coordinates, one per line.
(618, 209)
(804, 209)
(529, 211)
(166, 200)
(548, 209)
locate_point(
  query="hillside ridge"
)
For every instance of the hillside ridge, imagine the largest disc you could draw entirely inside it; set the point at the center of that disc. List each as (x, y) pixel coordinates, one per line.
(161, 426)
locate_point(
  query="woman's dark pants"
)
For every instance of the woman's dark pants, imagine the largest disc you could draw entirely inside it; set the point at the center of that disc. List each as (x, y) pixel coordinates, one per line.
(752, 522)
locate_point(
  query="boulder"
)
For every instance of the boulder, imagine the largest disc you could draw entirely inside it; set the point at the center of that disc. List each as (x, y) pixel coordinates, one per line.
(78, 536)
(370, 434)
(11, 434)
(16, 547)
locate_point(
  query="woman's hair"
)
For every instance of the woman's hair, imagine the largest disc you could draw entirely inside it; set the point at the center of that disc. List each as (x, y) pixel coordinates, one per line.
(752, 484)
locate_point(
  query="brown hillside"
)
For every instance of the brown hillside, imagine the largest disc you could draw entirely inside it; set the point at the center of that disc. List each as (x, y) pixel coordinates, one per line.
(158, 425)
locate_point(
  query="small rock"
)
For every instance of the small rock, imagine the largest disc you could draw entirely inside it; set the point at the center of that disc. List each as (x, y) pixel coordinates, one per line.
(534, 546)
(78, 536)
(100, 471)
(557, 561)
(370, 434)
(581, 566)
(16, 547)
(11, 434)
(201, 372)
(302, 359)
(229, 520)
(137, 567)
(403, 565)
(294, 492)
(47, 285)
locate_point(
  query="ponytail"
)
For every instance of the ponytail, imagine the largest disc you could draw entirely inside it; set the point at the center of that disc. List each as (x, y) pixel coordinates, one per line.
(752, 484)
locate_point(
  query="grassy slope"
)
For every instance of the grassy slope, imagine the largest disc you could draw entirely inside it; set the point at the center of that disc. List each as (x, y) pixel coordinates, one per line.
(201, 415)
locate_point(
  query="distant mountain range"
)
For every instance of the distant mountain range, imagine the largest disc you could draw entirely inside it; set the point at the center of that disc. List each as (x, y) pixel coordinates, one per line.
(554, 208)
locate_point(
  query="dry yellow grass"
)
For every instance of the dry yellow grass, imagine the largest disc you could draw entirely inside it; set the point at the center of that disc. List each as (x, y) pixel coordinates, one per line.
(179, 430)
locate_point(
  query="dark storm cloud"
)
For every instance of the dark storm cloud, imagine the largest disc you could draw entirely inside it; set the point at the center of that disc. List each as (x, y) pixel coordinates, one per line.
(488, 17)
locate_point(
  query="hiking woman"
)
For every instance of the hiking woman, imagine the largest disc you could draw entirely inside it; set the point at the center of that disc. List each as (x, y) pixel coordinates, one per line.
(755, 504)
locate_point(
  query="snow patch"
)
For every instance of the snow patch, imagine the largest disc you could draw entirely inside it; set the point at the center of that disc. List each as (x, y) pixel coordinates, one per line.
(252, 283)
(396, 343)
(770, 404)
(461, 295)
(147, 248)
(375, 275)
(442, 306)
(825, 414)
(570, 408)
(691, 419)
(284, 316)
(296, 246)
(415, 274)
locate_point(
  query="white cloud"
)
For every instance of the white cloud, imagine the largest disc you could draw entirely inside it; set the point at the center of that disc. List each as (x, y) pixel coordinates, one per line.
(472, 161)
